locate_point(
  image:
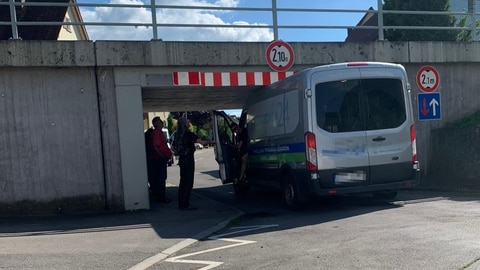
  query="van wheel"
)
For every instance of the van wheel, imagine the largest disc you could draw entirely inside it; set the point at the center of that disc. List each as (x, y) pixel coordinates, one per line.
(240, 187)
(291, 193)
(385, 195)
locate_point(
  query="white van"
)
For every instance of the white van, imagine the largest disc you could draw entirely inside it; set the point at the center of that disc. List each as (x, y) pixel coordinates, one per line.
(334, 129)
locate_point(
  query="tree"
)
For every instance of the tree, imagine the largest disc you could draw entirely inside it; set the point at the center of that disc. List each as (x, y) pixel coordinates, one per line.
(172, 126)
(391, 19)
(201, 122)
(466, 35)
(197, 118)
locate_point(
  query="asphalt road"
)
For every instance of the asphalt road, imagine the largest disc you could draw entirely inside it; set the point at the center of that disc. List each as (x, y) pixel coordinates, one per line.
(419, 230)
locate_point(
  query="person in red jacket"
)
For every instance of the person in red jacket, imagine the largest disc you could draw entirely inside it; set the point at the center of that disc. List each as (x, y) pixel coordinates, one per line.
(161, 154)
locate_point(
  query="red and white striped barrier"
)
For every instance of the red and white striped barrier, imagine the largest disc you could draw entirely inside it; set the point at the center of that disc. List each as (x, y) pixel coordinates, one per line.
(186, 78)
(228, 78)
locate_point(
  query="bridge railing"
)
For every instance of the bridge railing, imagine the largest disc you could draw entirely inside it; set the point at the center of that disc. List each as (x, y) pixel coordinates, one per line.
(152, 8)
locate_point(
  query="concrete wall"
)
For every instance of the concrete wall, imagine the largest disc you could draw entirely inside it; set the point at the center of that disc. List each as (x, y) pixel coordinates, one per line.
(50, 139)
(64, 108)
(454, 159)
(59, 139)
(460, 97)
(250, 54)
(110, 139)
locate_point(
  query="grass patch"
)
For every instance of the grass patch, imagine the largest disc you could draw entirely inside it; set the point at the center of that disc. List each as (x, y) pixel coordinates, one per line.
(469, 121)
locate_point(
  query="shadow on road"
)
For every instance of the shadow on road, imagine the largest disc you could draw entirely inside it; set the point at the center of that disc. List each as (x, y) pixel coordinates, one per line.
(215, 204)
(262, 206)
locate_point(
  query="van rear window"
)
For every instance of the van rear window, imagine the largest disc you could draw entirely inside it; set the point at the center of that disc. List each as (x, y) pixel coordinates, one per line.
(355, 105)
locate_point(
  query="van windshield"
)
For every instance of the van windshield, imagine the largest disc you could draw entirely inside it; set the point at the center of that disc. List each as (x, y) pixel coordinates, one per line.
(355, 105)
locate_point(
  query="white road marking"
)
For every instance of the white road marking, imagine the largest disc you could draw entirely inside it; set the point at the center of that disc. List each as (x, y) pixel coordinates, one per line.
(147, 263)
(213, 264)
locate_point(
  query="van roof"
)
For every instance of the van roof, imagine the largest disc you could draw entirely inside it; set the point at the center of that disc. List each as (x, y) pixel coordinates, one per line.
(343, 66)
(359, 64)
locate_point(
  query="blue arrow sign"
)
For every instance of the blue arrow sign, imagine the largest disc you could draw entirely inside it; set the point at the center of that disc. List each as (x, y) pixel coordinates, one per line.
(429, 106)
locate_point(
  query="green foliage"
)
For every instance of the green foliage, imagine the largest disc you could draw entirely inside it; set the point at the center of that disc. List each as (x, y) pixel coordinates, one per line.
(470, 121)
(445, 20)
(171, 124)
(197, 118)
(224, 128)
(465, 35)
(204, 134)
(201, 122)
(201, 132)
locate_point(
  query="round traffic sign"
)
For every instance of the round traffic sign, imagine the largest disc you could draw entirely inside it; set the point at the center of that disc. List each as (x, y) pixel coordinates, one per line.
(428, 79)
(279, 55)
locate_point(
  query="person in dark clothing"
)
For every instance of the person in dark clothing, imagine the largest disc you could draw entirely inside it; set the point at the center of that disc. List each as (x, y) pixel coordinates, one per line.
(149, 154)
(160, 155)
(184, 146)
(242, 140)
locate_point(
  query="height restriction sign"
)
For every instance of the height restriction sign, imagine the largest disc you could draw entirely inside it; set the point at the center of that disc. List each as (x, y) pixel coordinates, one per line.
(279, 55)
(428, 79)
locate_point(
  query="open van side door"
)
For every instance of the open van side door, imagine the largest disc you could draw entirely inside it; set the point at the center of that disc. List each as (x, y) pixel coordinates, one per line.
(225, 152)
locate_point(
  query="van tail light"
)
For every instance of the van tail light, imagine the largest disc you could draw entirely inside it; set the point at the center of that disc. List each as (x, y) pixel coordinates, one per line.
(413, 140)
(311, 151)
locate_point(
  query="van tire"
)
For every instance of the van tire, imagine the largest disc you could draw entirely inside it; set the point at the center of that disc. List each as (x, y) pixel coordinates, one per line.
(292, 196)
(386, 195)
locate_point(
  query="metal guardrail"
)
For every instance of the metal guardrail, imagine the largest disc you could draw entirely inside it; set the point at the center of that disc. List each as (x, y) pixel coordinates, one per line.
(274, 26)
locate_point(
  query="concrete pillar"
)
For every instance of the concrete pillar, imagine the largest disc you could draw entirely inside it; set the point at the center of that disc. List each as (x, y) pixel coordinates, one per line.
(132, 147)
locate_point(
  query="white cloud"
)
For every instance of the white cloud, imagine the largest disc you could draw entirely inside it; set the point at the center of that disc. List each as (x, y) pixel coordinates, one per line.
(171, 16)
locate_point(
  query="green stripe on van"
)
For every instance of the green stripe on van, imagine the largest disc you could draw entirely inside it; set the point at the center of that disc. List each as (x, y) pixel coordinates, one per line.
(281, 158)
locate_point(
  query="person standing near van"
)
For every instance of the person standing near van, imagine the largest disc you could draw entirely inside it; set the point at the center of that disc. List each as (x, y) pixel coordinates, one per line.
(242, 140)
(161, 154)
(149, 154)
(184, 146)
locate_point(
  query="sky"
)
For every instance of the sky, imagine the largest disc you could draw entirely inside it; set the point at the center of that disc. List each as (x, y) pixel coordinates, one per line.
(222, 17)
(192, 16)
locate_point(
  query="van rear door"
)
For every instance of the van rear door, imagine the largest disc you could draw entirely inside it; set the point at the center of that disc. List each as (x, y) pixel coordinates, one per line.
(388, 125)
(338, 125)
